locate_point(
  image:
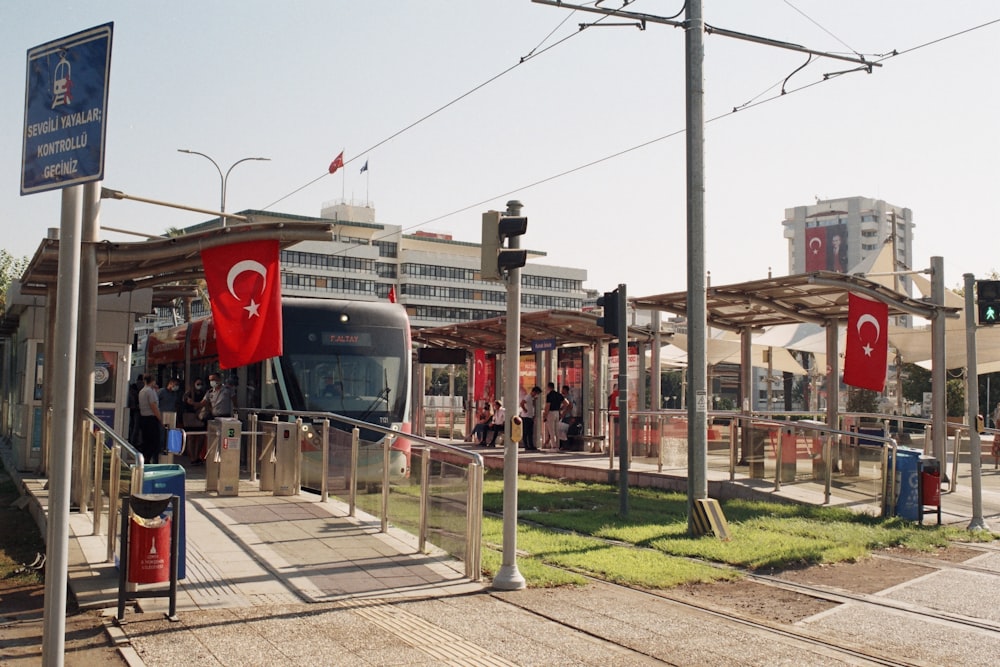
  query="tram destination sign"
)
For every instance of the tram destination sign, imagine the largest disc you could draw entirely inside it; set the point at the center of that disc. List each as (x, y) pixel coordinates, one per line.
(65, 111)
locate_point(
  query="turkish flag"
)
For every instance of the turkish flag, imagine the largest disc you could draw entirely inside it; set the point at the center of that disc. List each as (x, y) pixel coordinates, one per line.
(244, 286)
(867, 343)
(337, 163)
(479, 375)
(815, 249)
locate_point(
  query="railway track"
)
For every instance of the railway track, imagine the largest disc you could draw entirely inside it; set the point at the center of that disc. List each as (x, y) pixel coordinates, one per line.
(811, 638)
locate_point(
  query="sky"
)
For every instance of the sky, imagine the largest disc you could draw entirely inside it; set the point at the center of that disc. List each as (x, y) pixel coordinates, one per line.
(458, 107)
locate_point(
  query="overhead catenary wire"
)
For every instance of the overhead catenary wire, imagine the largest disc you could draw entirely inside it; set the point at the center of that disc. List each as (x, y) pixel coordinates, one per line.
(754, 102)
(531, 54)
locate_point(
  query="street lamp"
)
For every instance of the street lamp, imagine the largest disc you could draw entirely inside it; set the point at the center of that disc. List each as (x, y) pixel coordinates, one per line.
(225, 178)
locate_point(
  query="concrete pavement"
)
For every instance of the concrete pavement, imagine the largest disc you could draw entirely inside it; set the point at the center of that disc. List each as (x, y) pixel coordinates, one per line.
(277, 580)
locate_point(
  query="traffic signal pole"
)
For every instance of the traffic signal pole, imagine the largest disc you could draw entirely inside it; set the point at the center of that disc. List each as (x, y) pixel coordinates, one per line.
(972, 412)
(508, 577)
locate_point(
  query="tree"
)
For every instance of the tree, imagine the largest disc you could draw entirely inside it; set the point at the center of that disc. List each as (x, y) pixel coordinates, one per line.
(916, 381)
(11, 268)
(862, 400)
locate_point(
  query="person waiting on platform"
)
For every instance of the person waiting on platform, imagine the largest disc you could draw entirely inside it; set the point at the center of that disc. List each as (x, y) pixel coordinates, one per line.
(496, 424)
(483, 418)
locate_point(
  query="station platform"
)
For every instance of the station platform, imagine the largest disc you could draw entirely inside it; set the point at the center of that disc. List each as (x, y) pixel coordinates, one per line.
(277, 579)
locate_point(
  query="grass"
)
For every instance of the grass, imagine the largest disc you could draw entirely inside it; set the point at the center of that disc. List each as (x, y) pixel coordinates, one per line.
(569, 530)
(577, 526)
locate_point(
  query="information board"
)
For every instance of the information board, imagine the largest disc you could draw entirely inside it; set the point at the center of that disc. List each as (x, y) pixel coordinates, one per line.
(65, 111)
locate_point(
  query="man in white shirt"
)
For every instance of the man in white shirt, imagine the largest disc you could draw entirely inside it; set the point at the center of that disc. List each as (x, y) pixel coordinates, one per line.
(496, 426)
(527, 414)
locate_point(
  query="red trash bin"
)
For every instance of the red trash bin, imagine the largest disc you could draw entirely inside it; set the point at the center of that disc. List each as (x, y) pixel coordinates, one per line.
(149, 550)
(930, 487)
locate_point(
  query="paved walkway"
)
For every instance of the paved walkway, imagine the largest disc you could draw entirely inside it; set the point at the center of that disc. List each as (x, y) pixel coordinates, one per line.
(285, 580)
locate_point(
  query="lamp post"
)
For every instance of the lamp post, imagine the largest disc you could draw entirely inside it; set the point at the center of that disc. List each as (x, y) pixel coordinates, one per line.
(223, 177)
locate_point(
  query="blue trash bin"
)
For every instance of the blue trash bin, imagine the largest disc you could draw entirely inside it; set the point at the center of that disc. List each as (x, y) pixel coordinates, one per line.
(908, 497)
(169, 478)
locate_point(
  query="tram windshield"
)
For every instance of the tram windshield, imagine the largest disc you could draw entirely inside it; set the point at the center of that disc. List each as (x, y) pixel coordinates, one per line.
(359, 373)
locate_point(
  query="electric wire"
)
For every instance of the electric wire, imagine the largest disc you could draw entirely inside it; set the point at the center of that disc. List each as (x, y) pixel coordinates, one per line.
(811, 20)
(754, 102)
(531, 54)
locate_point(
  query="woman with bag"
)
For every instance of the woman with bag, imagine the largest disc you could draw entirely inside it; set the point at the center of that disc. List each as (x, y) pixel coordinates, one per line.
(196, 416)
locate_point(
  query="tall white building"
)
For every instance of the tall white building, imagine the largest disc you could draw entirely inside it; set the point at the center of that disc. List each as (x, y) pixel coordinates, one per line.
(839, 234)
(435, 277)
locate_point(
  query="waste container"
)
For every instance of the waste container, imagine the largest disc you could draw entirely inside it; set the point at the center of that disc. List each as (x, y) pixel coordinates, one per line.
(149, 549)
(907, 505)
(168, 478)
(930, 486)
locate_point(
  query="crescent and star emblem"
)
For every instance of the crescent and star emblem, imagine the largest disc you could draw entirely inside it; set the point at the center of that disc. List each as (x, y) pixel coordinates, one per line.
(869, 319)
(242, 267)
(815, 248)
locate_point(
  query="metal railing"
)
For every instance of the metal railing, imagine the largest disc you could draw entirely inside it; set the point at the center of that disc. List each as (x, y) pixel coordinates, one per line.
(860, 463)
(108, 445)
(431, 507)
(445, 421)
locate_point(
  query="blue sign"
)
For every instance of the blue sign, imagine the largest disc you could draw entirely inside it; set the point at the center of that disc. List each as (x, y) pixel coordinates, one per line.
(65, 109)
(543, 344)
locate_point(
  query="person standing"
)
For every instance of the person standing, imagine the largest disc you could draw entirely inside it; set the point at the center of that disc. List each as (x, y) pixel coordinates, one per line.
(550, 414)
(133, 409)
(169, 398)
(527, 414)
(150, 421)
(496, 426)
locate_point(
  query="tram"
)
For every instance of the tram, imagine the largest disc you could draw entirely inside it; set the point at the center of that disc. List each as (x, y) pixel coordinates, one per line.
(349, 358)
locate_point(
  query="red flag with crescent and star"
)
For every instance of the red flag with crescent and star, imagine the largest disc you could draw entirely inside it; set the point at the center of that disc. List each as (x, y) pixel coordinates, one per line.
(337, 163)
(244, 286)
(867, 343)
(816, 249)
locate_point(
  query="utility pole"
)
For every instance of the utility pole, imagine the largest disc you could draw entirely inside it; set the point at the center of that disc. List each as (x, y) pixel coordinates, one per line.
(697, 379)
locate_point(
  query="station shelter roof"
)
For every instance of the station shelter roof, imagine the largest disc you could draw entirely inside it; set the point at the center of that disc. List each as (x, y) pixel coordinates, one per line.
(546, 327)
(818, 297)
(163, 262)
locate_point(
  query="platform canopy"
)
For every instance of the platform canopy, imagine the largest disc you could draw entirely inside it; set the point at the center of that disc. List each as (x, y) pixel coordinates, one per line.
(160, 261)
(539, 328)
(819, 297)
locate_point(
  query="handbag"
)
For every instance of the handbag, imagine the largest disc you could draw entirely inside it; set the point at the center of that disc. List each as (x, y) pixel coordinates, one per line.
(205, 413)
(175, 440)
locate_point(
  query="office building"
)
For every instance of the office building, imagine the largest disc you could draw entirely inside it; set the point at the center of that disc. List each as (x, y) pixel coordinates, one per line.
(839, 234)
(435, 277)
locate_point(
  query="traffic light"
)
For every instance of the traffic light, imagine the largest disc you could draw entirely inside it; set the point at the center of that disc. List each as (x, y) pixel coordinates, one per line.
(988, 301)
(496, 259)
(611, 303)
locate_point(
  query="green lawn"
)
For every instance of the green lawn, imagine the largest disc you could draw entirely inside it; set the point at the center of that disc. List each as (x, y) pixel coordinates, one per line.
(576, 525)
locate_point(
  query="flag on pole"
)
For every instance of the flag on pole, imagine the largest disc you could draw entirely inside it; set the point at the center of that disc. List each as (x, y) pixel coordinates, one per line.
(244, 286)
(365, 167)
(867, 343)
(392, 294)
(337, 163)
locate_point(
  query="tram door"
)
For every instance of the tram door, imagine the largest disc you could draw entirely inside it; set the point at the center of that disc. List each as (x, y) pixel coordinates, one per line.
(111, 366)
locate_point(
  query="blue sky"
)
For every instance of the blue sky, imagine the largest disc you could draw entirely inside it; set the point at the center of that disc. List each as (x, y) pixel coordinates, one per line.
(300, 81)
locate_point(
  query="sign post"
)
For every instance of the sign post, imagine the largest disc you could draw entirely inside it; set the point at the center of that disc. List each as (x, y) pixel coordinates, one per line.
(65, 106)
